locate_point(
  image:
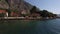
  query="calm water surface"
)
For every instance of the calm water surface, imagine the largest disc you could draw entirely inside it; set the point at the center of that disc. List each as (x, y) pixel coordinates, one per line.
(30, 26)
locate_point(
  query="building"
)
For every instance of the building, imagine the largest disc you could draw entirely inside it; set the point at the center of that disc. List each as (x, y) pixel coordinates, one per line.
(35, 15)
(3, 12)
(14, 14)
(23, 12)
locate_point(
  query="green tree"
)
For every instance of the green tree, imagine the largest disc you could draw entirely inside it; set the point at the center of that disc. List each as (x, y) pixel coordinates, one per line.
(0, 0)
(2, 15)
(34, 9)
(9, 10)
(44, 13)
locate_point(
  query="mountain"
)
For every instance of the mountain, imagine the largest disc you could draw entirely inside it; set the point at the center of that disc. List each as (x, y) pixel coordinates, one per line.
(15, 5)
(4, 4)
(29, 6)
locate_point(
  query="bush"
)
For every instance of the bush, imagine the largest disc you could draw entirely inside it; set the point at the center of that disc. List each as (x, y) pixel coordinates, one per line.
(2, 15)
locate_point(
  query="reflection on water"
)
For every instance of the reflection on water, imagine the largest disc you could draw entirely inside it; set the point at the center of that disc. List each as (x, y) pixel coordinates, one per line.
(30, 26)
(17, 26)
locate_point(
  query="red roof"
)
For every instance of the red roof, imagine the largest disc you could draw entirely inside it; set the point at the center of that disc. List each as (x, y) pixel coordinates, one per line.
(2, 11)
(14, 14)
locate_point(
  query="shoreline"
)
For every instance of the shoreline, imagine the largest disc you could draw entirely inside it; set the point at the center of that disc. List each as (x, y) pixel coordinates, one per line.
(23, 18)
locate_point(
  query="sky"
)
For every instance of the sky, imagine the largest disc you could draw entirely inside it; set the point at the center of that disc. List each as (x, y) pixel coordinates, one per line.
(50, 5)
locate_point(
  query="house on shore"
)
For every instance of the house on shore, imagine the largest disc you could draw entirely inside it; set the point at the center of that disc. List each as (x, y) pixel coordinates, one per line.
(3, 13)
(18, 13)
(35, 14)
(14, 14)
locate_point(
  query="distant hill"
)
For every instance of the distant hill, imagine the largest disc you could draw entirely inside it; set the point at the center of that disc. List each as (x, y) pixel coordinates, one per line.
(58, 15)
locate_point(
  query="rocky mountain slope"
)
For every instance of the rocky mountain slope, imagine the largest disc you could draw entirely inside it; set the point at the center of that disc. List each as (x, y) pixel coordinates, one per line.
(4, 4)
(15, 4)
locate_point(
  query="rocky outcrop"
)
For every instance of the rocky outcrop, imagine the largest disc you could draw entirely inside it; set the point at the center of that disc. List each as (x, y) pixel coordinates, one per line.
(3, 4)
(15, 5)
